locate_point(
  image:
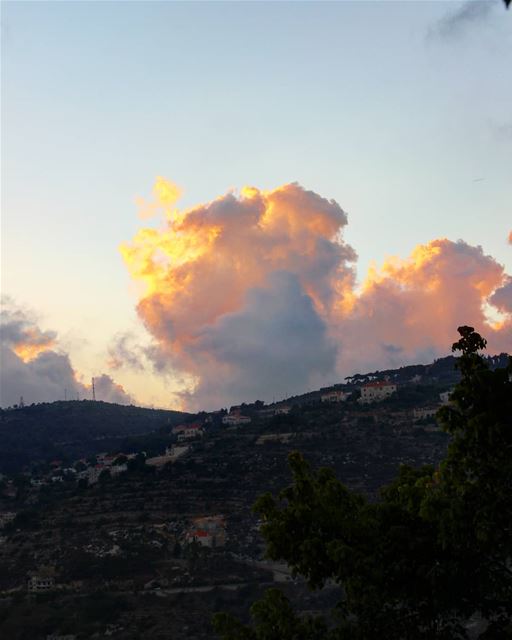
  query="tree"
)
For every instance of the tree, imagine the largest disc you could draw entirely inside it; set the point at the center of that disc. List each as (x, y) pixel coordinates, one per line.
(433, 552)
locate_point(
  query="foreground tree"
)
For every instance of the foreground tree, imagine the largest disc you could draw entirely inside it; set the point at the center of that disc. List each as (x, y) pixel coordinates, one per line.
(433, 553)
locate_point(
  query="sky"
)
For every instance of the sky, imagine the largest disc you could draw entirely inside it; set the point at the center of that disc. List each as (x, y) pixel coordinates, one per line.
(400, 112)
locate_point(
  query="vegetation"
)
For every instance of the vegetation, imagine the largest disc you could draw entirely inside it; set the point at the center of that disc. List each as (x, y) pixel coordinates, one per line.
(432, 554)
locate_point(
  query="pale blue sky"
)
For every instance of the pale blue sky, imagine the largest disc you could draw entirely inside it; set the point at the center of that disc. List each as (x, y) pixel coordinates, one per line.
(407, 126)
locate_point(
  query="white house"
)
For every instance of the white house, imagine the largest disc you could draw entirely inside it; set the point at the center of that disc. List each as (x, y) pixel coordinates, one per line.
(445, 396)
(334, 396)
(376, 391)
(188, 431)
(282, 409)
(424, 412)
(43, 580)
(235, 417)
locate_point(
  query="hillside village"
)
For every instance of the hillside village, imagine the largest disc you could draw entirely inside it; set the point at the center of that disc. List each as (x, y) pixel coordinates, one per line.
(154, 535)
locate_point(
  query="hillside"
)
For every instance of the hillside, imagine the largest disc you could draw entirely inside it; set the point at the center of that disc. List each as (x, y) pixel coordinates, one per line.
(72, 429)
(119, 548)
(150, 547)
(75, 429)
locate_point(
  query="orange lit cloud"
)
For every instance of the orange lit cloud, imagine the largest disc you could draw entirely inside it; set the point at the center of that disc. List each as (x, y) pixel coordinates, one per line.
(253, 295)
(408, 309)
(166, 194)
(20, 332)
(242, 284)
(34, 342)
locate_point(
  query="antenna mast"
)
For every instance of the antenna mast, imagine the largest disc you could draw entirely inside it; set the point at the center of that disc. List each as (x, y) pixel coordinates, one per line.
(93, 391)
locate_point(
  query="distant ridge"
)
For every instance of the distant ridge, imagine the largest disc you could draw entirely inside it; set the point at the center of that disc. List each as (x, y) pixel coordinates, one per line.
(68, 428)
(442, 372)
(73, 429)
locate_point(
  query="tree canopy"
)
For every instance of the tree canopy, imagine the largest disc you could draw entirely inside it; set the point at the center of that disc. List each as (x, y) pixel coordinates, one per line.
(433, 554)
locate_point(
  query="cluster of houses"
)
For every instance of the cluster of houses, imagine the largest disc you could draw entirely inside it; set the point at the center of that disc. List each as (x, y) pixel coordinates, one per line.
(377, 391)
(104, 462)
(370, 392)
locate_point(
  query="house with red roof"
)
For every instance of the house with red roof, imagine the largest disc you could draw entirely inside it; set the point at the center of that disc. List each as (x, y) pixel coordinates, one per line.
(376, 391)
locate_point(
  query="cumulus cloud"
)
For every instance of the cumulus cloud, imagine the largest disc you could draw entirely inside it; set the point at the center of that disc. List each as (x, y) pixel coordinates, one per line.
(416, 304)
(223, 265)
(33, 368)
(254, 296)
(458, 21)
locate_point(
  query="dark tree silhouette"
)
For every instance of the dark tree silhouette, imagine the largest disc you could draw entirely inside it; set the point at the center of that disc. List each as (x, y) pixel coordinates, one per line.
(433, 553)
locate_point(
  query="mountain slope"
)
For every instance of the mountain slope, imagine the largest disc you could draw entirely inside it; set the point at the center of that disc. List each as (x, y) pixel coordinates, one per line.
(66, 429)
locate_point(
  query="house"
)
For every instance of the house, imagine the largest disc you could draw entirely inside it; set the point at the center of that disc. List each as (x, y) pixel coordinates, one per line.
(421, 413)
(93, 473)
(208, 531)
(188, 431)
(376, 391)
(41, 581)
(6, 517)
(116, 469)
(335, 396)
(445, 396)
(282, 410)
(235, 417)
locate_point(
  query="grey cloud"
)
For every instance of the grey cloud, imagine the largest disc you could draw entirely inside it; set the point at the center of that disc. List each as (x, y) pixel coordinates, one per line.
(457, 22)
(19, 327)
(125, 352)
(48, 375)
(502, 297)
(44, 379)
(274, 346)
(108, 391)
